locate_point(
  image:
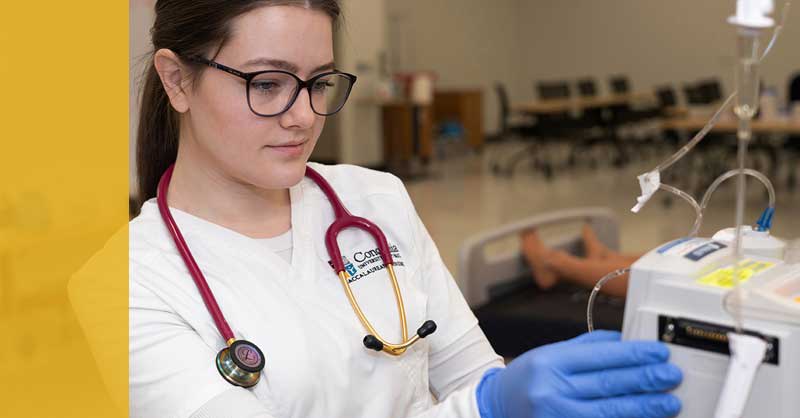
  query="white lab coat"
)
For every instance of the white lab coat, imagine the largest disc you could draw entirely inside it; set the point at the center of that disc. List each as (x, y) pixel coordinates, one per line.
(298, 314)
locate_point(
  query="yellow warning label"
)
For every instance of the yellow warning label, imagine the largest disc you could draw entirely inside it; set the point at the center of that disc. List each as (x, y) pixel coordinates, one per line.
(723, 277)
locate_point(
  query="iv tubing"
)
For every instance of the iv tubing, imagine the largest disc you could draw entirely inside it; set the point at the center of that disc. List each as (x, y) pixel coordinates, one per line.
(747, 171)
(593, 295)
(698, 137)
(721, 179)
(746, 106)
(620, 272)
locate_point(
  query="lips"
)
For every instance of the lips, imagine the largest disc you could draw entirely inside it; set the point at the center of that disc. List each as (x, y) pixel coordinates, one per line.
(289, 144)
(290, 149)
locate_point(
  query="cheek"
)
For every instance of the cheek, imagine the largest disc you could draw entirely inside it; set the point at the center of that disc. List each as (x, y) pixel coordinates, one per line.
(319, 124)
(227, 126)
(223, 110)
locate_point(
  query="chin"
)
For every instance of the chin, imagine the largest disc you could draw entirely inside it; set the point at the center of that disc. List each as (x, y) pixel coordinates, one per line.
(284, 175)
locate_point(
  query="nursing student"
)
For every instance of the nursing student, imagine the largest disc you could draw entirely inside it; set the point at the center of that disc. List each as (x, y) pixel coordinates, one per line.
(238, 308)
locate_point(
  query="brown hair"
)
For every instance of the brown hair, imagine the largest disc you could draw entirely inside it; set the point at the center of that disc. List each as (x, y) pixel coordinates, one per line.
(187, 27)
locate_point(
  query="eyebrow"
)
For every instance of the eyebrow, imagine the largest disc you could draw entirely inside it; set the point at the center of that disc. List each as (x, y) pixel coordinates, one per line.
(285, 65)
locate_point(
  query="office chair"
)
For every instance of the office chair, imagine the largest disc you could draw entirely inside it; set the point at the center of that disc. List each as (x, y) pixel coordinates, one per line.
(793, 142)
(622, 115)
(667, 99)
(587, 87)
(508, 127)
(557, 126)
(709, 91)
(529, 132)
(694, 97)
(593, 125)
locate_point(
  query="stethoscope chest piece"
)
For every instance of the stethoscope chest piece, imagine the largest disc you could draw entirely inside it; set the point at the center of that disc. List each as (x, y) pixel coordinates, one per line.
(241, 363)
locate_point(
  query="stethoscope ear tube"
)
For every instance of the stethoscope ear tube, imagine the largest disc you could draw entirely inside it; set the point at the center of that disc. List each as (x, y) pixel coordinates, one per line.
(188, 259)
(343, 220)
(241, 362)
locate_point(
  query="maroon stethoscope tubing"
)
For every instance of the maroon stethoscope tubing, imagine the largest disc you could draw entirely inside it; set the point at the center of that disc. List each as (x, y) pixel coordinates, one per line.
(183, 249)
(343, 219)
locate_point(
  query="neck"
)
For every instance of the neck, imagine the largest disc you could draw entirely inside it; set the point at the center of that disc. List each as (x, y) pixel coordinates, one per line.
(203, 190)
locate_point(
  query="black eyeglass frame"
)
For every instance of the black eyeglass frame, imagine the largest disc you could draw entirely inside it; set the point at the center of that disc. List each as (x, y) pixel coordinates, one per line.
(302, 84)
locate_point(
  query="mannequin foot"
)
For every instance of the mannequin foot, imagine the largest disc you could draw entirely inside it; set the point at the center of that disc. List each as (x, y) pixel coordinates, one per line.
(595, 249)
(537, 255)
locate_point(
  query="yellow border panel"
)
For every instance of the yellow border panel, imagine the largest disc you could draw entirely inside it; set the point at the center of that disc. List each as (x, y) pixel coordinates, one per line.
(63, 195)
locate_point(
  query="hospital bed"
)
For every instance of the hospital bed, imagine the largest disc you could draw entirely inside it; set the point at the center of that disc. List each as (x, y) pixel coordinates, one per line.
(513, 312)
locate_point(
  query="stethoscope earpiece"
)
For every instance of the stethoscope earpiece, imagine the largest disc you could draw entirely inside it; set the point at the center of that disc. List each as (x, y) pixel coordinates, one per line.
(373, 343)
(241, 363)
(427, 328)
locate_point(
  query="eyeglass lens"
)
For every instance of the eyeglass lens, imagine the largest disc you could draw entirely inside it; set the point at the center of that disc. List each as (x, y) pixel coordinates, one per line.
(271, 93)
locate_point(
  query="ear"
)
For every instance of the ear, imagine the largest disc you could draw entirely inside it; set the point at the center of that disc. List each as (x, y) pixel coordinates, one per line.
(173, 76)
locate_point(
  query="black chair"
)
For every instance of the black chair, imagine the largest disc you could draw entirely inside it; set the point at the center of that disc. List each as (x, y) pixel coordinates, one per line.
(620, 84)
(587, 87)
(667, 100)
(529, 132)
(793, 142)
(590, 117)
(548, 90)
(794, 88)
(555, 124)
(622, 114)
(592, 123)
(508, 127)
(560, 126)
(709, 91)
(694, 96)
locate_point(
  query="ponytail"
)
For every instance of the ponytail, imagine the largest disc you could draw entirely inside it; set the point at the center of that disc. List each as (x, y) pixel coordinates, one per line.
(157, 136)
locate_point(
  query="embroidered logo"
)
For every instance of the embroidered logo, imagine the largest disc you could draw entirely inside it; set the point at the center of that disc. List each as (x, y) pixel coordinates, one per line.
(368, 262)
(349, 268)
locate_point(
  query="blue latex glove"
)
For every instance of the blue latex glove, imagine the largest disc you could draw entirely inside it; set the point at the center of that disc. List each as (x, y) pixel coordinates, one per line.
(593, 375)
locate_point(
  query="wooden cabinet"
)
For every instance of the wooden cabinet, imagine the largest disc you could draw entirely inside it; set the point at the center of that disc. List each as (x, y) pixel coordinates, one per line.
(407, 132)
(464, 106)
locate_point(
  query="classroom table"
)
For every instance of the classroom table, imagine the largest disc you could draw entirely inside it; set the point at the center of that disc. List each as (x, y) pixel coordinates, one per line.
(730, 125)
(550, 106)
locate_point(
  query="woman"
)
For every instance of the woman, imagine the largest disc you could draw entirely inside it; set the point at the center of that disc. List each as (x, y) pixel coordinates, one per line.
(239, 143)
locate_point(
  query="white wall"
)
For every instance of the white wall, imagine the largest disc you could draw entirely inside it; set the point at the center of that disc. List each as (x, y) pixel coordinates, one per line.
(654, 42)
(475, 42)
(361, 40)
(468, 43)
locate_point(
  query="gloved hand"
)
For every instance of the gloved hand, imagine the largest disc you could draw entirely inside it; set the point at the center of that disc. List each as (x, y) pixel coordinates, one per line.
(590, 376)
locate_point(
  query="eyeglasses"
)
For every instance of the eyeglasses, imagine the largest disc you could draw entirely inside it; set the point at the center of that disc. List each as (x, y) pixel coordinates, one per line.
(273, 92)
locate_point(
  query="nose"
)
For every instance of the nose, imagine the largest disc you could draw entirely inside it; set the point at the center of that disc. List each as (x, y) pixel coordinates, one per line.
(300, 115)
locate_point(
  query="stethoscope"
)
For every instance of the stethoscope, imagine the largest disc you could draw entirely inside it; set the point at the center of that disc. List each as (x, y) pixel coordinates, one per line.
(241, 362)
